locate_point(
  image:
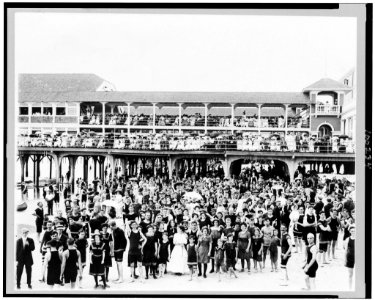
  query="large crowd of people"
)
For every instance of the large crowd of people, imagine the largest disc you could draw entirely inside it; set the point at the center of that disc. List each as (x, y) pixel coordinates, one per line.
(203, 227)
(295, 142)
(197, 119)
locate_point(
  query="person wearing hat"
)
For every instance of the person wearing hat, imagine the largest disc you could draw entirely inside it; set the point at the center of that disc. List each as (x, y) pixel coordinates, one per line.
(24, 258)
(61, 237)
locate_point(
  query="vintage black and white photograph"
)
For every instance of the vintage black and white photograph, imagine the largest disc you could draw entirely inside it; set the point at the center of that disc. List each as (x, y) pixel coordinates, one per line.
(184, 152)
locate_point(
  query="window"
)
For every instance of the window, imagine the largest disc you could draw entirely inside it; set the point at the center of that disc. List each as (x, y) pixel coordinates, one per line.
(47, 111)
(24, 111)
(36, 110)
(346, 82)
(60, 111)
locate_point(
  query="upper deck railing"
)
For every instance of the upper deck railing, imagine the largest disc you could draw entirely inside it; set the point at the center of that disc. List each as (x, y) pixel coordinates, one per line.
(189, 143)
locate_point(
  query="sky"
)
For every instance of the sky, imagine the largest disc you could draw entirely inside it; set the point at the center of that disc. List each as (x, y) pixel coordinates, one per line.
(169, 52)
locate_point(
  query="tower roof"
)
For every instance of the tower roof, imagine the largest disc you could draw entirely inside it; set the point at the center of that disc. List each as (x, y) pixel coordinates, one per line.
(326, 84)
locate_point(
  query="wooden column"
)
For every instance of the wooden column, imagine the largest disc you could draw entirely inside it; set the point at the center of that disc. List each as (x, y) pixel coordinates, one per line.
(27, 165)
(22, 162)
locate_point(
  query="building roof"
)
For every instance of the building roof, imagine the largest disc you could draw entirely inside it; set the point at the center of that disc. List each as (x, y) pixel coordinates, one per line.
(64, 82)
(326, 84)
(166, 97)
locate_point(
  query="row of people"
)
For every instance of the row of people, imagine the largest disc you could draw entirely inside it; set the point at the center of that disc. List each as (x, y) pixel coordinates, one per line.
(255, 142)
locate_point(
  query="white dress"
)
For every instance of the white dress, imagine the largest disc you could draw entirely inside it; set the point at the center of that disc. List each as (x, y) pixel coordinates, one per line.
(178, 262)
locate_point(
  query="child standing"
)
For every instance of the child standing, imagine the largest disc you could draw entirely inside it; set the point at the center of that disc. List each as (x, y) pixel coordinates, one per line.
(257, 246)
(219, 258)
(231, 254)
(164, 254)
(192, 256)
(274, 251)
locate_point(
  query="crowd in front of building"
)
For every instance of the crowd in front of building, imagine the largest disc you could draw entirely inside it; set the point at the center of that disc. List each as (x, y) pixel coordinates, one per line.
(198, 226)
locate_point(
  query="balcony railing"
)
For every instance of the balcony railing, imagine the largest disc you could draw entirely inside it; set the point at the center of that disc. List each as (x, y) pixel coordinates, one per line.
(179, 143)
(66, 119)
(328, 109)
(41, 119)
(23, 119)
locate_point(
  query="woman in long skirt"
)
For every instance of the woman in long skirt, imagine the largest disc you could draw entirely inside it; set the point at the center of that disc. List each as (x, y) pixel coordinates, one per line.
(204, 249)
(178, 262)
(97, 255)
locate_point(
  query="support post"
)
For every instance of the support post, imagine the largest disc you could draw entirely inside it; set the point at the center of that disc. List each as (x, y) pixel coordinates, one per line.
(129, 118)
(103, 116)
(259, 124)
(153, 116)
(232, 122)
(205, 117)
(27, 165)
(180, 117)
(286, 118)
(50, 167)
(57, 169)
(22, 161)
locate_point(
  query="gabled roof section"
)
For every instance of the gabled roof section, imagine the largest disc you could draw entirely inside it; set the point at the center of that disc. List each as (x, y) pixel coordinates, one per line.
(168, 97)
(64, 82)
(326, 84)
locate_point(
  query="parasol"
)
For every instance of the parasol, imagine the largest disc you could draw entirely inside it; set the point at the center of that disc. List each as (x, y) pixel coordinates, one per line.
(192, 196)
(109, 203)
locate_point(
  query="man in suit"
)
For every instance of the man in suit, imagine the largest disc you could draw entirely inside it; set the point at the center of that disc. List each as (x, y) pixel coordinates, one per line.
(24, 257)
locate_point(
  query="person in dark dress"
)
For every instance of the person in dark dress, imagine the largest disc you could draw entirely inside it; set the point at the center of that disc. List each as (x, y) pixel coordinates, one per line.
(257, 249)
(349, 247)
(52, 264)
(192, 256)
(71, 264)
(164, 254)
(243, 247)
(286, 252)
(311, 265)
(97, 255)
(324, 231)
(136, 242)
(39, 214)
(309, 225)
(334, 224)
(24, 258)
(47, 236)
(230, 248)
(108, 242)
(150, 250)
(81, 245)
(119, 246)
